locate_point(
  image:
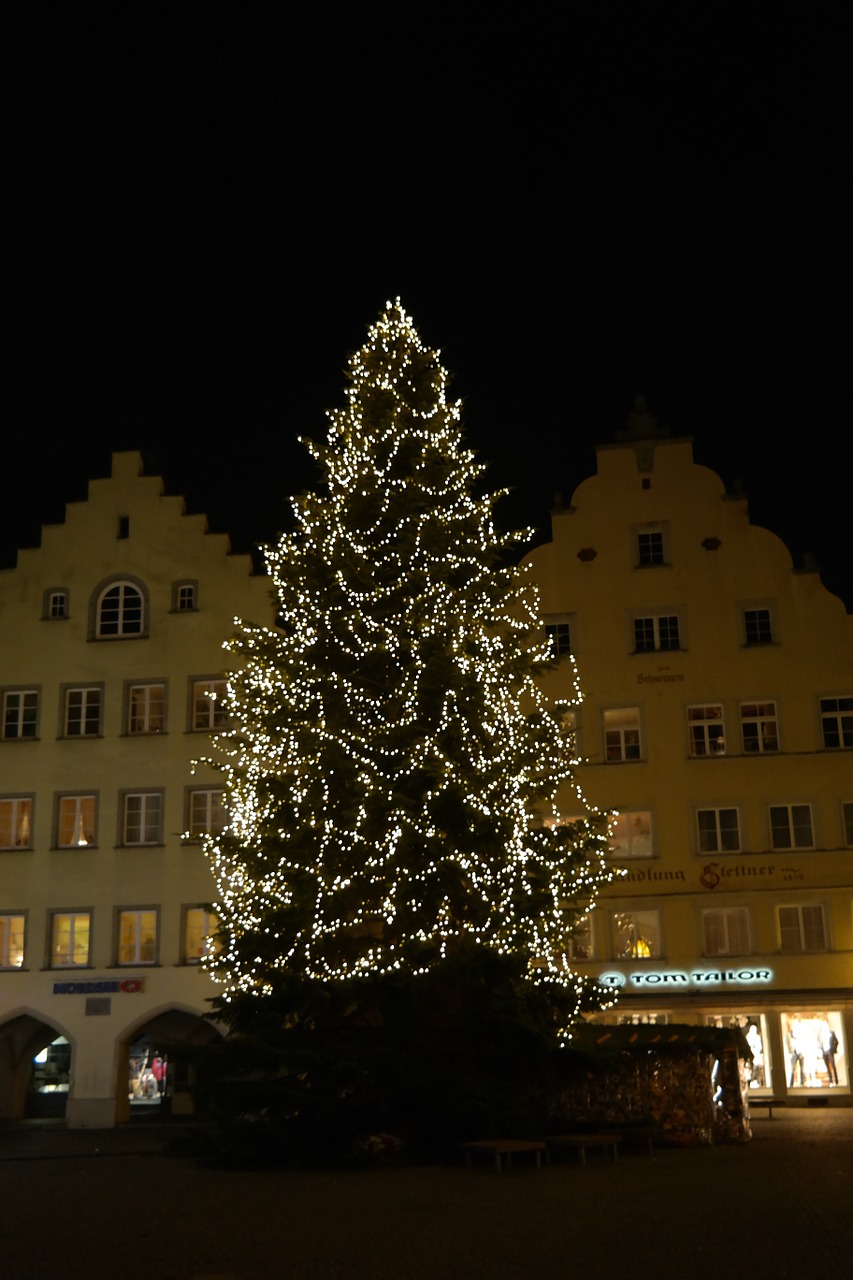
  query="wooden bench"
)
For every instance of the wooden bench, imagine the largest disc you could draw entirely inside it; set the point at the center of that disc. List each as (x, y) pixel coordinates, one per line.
(500, 1147)
(767, 1104)
(606, 1140)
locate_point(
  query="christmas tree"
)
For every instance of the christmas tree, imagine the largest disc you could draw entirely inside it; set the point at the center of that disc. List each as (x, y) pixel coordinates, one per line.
(392, 768)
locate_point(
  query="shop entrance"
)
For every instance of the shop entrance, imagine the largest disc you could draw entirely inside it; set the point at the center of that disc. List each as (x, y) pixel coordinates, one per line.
(35, 1069)
(155, 1079)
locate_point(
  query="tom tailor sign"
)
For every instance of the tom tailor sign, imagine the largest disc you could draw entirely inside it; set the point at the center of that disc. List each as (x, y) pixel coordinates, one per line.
(688, 978)
(105, 987)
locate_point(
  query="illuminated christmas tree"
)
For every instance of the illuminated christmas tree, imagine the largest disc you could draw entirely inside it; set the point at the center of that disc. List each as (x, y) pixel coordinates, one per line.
(391, 764)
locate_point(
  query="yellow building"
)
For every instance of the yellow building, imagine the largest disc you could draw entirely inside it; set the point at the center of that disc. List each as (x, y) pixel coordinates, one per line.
(717, 720)
(111, 661)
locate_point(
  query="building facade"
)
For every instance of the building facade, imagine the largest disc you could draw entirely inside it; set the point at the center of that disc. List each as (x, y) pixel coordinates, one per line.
(111, 669)
(717, 721)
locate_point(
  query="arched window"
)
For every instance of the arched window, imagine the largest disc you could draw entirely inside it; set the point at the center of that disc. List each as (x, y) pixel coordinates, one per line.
(120, 611)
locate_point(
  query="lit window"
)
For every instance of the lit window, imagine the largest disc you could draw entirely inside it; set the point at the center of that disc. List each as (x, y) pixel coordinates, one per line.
(719, 830)
(69, 943)
(726, 931)
(632, 835)
(206, 812)
(137, 937)
(75, 828)
(199, 927)
(650, 548)
(146, 708)
(579, 946)
(16, 814)
(836, 722)
(12, 930)
(801, 928)
(622, 734)
(757, 626)
(658, 633)
(636, 935)
(791, 826)
(142, 818)
(208, 706)
(759, 727)
(83, 712)
(20, 714)
(706, 730)
(120, 611)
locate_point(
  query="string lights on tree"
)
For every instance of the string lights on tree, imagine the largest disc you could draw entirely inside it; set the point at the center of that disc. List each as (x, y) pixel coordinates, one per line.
(391, 765)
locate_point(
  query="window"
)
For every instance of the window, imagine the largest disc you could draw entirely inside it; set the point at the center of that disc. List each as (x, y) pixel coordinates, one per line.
(650, 548)
(847, 819)
(205, 812)
(719, 830)
(632, 835)
(706, 730)
(759, 727)
(20, 714)
(75, 826)
(791, 826)
(801, 928)
(137, 937)
(82, 712)
(813, 1048)
(142, 818)
(656, 634)
(836, 722)
(636, 934)
(146, 708)
(185, 597)
(726, 931)
(16, 814)
(208, 706)
(199, 927)
(579, 946)
(558, 629)
(56, 603)
(757, 626)
(69, 939)
(12, 942)
(120, 611)
(622, 734)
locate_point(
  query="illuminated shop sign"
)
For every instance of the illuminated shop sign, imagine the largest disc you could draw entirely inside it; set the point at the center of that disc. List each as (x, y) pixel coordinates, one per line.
(107, 987)
(688, 978)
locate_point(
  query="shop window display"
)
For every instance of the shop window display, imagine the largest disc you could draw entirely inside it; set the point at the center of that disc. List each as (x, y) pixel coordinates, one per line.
(148, 1075)
(814, 1050)
(754, 1028)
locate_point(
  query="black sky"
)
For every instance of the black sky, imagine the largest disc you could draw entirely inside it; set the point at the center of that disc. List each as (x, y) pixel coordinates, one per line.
(207, 210)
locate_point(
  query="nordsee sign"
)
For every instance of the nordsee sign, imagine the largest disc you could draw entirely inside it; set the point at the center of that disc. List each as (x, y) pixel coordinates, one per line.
(688, 978)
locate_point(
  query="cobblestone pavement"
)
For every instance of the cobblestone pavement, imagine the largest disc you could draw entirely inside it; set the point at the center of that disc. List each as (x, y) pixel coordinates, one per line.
(113, 1206)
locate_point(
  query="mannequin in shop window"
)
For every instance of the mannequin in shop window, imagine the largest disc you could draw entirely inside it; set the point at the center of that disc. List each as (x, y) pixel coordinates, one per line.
(796, 1057)
(828, 1050)
(753, 1039)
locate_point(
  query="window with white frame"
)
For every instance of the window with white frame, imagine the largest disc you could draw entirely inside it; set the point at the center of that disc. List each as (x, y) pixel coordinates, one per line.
(791, 826)
(142, 818)
(20, 714)
(719, 830)
(12, 931)
(136, 936)
(759, 727)
(836, 722)
(16, 822)
(579, 946)
(706, 732)
(726, 931)
(120, 611)
(70, 934)
(185, 597)
(558, 629)
(56, 603)
(632, 835)
(146, 708)
(208, 705)
(757, 626)
(75, 821)
(82, 714)
(658, 633)
(621, 734)
(847, 821)
(802, 927)
(205, 812)
(650, 547)
(200, 926)
(636, 935)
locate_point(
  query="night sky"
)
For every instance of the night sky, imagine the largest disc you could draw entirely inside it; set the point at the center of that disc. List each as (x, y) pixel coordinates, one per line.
(205, 211)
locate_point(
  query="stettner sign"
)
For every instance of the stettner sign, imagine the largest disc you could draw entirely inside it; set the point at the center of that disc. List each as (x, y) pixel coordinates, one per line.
(687, 977)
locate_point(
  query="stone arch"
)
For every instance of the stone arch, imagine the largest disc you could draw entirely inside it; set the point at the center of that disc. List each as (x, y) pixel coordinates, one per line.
(157, 1029)
(23, 1034)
